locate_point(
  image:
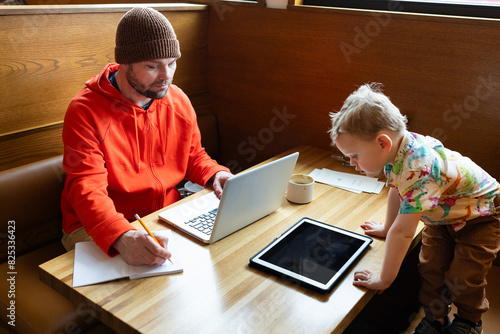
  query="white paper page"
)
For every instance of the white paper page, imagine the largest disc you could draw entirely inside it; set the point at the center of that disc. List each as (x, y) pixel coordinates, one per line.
(166, 268)
(346, 180)
(379, 187)
(354, 183)
(357, 191)
(316, 174)
(93, 266)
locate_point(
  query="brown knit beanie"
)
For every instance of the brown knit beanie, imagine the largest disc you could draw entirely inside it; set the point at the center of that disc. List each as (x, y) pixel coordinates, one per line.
(144, 34)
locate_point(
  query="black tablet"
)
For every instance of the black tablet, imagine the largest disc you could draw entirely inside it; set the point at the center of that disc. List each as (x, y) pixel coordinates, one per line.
(312, 254)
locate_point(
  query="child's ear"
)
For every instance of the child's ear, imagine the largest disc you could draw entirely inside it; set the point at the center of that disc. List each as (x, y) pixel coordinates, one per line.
(384, 141)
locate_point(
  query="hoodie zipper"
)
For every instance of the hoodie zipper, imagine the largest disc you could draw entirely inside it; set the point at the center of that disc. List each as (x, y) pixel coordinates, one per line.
(160, 187)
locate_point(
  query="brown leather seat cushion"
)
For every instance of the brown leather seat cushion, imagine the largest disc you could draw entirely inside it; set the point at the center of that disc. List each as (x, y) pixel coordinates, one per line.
(30, 214)
(39, 308)
(30, 196)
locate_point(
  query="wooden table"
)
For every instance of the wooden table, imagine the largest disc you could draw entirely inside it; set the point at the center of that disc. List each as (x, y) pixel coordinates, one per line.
(218, 292)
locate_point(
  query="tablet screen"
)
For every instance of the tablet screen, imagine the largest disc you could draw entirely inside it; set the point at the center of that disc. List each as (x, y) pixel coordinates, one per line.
(312, 252)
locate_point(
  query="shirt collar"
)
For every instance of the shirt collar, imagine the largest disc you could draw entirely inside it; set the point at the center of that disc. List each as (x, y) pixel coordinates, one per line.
(403, 150)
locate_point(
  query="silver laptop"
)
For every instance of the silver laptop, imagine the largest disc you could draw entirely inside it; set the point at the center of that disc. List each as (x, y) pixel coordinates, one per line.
(247, 197)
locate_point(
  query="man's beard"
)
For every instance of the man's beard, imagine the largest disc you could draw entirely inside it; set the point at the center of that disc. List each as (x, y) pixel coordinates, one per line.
(146, 91)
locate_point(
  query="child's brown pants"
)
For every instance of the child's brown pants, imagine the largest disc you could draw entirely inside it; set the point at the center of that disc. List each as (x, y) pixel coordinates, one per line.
(453, 266)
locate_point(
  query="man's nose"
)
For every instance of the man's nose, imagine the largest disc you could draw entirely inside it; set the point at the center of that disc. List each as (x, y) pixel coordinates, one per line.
(166, 73)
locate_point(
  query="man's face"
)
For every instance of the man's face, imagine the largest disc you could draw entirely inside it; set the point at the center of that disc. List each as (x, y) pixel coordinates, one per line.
(152, 78)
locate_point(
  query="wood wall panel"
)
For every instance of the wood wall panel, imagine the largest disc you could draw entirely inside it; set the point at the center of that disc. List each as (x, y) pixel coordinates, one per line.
(30, 146)
(49, 54)
(443, 73)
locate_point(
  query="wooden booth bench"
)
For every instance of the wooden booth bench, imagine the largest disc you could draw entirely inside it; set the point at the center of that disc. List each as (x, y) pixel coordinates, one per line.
(48, 54)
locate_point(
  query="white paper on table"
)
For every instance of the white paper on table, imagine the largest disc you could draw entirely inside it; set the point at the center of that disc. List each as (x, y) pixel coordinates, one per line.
(93, 266)
(350, 182)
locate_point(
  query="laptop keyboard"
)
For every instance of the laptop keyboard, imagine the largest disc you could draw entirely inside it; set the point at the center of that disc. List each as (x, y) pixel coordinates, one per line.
(204, 223)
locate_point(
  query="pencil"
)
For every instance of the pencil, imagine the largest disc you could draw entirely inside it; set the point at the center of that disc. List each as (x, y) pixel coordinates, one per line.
(149, 232)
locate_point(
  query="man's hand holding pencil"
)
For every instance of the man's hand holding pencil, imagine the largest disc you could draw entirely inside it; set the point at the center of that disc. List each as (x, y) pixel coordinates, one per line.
(138, 247)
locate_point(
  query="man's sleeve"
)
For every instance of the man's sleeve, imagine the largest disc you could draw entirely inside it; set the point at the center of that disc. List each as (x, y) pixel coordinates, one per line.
(87, 179)
(201, 167)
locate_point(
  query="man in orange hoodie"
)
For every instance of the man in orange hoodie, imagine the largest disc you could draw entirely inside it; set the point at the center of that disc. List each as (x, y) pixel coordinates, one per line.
(130, 137)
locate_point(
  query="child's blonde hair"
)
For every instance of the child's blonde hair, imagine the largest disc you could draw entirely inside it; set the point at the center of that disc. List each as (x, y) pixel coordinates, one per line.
(366, 112)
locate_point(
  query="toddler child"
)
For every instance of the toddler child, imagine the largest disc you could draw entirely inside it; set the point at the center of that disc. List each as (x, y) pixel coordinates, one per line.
(456, 199)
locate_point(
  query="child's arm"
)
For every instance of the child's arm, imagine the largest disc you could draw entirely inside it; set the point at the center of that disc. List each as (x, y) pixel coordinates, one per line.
(377, 229)
(398, 241)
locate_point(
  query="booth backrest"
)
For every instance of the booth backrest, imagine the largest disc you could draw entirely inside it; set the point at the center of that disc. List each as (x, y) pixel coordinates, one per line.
(49, 52)
(30, 205)
(274, 76)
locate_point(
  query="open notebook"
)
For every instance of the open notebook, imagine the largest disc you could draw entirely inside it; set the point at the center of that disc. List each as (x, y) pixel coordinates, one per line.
(93, 266)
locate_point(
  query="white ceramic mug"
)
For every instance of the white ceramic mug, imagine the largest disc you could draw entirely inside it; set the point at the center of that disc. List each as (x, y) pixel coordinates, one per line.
(300, 189)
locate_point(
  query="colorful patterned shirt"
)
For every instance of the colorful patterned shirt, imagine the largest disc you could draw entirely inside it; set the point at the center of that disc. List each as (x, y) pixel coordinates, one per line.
(447, 187)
